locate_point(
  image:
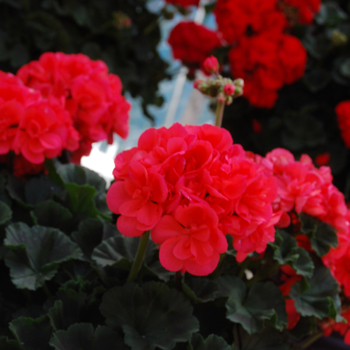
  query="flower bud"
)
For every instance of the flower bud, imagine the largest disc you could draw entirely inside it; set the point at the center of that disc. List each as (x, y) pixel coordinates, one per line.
(238, 83)
(211, 65)
(339, 38)
(229, 89)
(221, 98)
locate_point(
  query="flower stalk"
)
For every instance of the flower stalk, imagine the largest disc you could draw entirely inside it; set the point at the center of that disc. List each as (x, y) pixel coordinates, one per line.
(140, 255)
(219, 113)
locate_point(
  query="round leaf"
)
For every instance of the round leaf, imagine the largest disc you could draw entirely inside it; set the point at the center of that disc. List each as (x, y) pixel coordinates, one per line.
(152, 316)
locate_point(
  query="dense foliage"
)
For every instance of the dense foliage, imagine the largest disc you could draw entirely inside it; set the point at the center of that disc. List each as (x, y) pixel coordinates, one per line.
(124, 34)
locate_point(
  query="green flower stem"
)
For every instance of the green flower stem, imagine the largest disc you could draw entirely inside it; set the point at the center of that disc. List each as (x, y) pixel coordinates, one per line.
(219, 113)
(307, 342)
(140, 255)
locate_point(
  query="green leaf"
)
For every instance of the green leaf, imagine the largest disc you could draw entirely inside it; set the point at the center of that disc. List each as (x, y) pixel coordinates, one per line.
(33, 333)
(89, 235)
(322, 236)
(82, 201)
(34, 253)
(321, 299)
(153, 316)
(120, 252)
(287, 252)
(72, 173)
(52, 214)
(251, 308)
(213, 342)
(6, 344)
(115, 249)
(202, 289)
(317, 79)
(5, 213)
(304, 327)
(82, 336)
(269, 339)
(40, 188)
(67, 308)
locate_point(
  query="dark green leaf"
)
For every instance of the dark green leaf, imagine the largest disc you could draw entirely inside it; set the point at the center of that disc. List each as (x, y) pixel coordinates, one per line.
(34, 253)
(52, 214)
(251, 308)
(287, 252)
(154, 315)
(82, 336)
(33, 333)
(6, 344)
(5, 213)
(304, 327)
(67, 308)
(89, 235)
(213, 342)
(317, 79)
(72, 173)
(321, 299)
(322, 236)
(203, 289)
(269, 339)
(39, 189)
(82, 201)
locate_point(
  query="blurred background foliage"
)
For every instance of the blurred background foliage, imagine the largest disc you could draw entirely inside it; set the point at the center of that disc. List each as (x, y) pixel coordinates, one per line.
(123, 33)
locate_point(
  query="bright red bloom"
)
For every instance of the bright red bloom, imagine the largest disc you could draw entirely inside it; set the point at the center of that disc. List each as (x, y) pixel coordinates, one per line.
(176, 172)
(343, 115)
(91, 96)
(266, 62)
(42, 132)
(190, 240)
(292, 313)
(192, 43)
(343, 328)
(241, 17)
(300, 11)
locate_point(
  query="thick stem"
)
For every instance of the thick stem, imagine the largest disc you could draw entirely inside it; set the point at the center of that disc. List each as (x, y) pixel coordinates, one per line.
(140, 255)
(219, 113)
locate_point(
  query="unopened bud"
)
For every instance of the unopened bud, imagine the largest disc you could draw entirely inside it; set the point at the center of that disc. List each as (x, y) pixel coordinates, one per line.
(238, 83)
(211, 65)
(229, 89)
(339, 38)
(221, 97)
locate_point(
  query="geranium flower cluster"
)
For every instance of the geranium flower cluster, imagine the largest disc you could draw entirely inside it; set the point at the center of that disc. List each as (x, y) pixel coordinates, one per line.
(262, 52)
(192, 43)
(191, 186)
(33, 127)
(92, 96)
(343, 115)
(304, 188)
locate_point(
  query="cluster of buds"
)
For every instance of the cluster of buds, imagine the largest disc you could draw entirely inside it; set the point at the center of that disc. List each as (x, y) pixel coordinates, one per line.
(224, 89)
